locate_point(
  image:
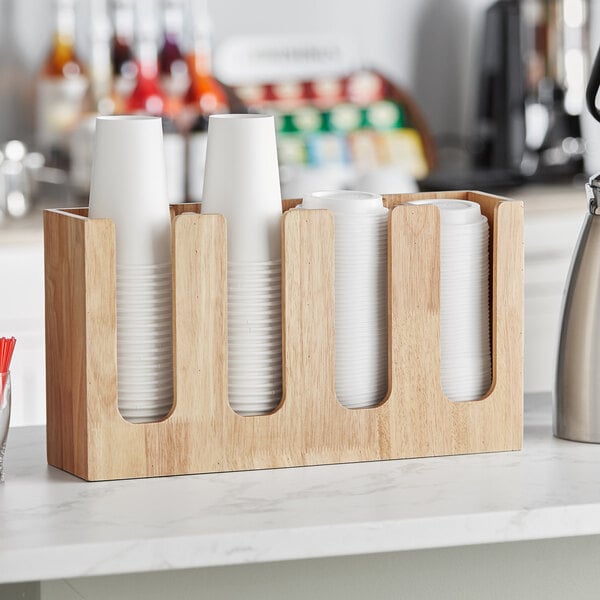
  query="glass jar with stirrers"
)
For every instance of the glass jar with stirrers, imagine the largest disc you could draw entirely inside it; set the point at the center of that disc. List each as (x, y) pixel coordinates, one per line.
(7, 346)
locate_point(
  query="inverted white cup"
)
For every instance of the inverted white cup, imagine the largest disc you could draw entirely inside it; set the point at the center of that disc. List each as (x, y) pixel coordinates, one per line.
(241, 182)
(128, 185)
(136, 270)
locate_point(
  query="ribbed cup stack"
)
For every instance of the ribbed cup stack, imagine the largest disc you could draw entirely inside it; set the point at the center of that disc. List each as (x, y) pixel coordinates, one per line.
(128, 186)
(241, 182)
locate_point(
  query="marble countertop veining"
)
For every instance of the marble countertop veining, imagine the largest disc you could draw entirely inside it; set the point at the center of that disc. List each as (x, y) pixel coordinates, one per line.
(53, 525)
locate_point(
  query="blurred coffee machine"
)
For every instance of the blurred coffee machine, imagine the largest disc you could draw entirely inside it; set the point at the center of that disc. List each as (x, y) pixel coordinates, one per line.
(532, 88)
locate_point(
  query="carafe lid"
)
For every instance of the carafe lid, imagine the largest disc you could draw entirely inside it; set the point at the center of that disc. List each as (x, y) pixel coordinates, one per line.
(593, 193)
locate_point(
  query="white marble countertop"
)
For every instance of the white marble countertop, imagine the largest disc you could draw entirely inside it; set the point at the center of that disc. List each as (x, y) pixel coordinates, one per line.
(53, 525)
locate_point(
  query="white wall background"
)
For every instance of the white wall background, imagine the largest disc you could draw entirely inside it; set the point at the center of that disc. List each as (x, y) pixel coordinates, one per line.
(428, 46)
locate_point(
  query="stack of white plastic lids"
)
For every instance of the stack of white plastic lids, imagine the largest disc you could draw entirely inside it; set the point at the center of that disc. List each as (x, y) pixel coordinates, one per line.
(360, 294)
(464, 299)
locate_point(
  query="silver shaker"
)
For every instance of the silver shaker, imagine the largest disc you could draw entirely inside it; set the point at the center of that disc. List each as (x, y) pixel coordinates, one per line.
(577, 385)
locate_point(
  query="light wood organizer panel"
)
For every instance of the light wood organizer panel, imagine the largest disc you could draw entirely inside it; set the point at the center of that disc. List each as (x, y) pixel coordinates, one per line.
(88, 437)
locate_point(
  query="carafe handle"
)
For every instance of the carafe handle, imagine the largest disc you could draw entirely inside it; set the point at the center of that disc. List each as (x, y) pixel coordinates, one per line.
(592, 88)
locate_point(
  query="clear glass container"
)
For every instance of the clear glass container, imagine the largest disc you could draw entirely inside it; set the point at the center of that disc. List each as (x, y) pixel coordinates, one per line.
(4, 417)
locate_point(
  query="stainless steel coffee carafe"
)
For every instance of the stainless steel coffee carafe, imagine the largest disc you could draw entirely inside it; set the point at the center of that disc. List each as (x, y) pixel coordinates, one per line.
(577, 391)
(577, 386)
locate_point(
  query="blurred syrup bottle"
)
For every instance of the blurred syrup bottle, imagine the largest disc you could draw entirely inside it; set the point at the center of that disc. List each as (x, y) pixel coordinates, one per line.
(147, 97)
(173, 68)
(99, 98)
(205, 96)
(61, 89)
(124, 69)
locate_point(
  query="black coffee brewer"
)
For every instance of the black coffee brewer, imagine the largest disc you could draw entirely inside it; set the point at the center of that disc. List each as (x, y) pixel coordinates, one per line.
(530, 95)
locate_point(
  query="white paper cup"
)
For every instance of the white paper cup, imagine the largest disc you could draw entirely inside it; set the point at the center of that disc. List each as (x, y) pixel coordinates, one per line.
(255, 408)
(241, 182)
(244, 267)
(149, 406)
(253, 413)
(256, 403)
(128, 186)
(154, 374)
(149, 401)
(264, 355)
(146, 419)
(142, 271)
(254, 333)
(267, 350)
(126, 282)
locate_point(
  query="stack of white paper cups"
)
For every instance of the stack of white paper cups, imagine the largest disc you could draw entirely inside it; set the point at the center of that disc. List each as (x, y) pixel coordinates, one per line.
(360, 294)
(128, 186)
(241, 182)
(464, 299)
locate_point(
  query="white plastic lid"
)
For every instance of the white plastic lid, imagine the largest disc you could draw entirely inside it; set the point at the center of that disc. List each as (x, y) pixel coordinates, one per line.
(344, 201)
(454, 212)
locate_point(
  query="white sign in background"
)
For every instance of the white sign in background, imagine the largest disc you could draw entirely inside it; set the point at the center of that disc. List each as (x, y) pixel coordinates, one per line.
(243, 60)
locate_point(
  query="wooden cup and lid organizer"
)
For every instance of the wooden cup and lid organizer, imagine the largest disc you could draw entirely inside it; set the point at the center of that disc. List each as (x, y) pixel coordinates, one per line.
(87, 436)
